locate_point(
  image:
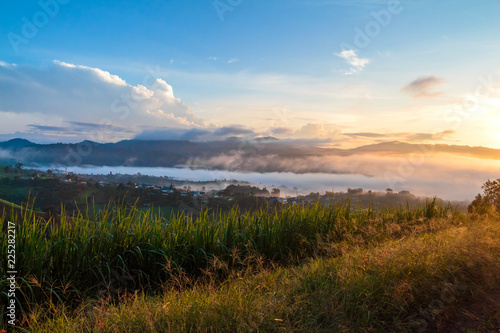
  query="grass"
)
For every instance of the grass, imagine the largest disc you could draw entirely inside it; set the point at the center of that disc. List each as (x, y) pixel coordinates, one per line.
(396, 286)
(301, 268)
(7, 203)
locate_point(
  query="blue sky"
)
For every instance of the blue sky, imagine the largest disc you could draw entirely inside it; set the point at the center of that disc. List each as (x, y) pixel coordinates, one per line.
(271, 67)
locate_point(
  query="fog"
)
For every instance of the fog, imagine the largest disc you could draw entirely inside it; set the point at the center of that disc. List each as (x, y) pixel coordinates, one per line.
(446, 176)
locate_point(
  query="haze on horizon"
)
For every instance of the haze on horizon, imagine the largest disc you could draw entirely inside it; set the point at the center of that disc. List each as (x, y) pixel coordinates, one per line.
(333, 74)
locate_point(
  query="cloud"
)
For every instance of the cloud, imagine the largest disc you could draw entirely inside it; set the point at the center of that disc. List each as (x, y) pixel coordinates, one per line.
(197, 134)
(4, 64)
(233, 130)
(440, 136)
(64, 93)
(74, 127)
(48, 128)
(312, 133)
(5, 154)
(450, 177)
(212, 58)
(173, 134)
(351, 58)
(281, 131)
(233, 60)
(404, 136)
(420, 88)
(367, 135)
(317, 131)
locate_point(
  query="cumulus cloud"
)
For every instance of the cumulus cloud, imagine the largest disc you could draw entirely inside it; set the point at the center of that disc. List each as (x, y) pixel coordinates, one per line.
(317, 131)
(350, 57)
(421, 87)
(81, 94)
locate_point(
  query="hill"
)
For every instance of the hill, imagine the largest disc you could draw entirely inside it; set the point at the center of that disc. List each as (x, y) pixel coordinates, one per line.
(302, 269)
(170, 153)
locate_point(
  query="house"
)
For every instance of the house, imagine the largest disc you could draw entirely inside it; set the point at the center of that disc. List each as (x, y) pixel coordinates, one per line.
(167, 192)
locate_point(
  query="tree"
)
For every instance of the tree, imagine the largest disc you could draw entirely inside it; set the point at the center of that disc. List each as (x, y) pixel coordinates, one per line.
(491, 191)
(479, 205)
(490, 198)
(354, 190)
(19, 166)
(7, 169)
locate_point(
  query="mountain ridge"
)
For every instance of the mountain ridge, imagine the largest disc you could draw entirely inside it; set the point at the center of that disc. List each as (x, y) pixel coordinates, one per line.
(169, 153)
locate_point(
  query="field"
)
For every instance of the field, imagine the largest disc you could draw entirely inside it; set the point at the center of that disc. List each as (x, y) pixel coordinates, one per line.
(300, 268)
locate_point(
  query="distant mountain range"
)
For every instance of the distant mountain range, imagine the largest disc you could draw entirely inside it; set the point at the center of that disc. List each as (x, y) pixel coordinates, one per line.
(170, 153)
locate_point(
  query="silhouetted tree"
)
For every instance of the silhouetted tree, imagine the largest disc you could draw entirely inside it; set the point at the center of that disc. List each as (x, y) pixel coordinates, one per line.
(491, 190)
(490, 198)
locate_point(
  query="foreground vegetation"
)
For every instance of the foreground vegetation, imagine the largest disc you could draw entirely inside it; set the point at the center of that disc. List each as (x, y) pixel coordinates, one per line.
(301, 268)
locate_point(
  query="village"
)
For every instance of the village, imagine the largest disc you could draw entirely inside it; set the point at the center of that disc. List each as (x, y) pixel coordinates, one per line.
(54, 186)
(234, 191)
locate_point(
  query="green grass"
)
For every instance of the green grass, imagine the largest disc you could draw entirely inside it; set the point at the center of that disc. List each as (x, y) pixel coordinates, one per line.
(10, 204)
(407, 285)
(237, 269)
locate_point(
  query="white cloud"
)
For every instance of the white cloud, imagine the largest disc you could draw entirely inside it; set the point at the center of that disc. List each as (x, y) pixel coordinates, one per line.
(103, 75)
(233, 60)
(351, 58)
(66, 92)
(4, 64)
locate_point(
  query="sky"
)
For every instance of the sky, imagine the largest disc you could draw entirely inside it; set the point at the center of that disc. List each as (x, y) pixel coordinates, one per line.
(343, 72)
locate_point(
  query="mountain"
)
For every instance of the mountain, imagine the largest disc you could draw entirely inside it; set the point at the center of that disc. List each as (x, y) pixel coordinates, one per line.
(16, 144)
(396, 147)
(170, 153)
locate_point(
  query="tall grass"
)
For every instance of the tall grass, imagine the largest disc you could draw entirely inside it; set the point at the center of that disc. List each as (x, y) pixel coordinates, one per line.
(422, 283)
(121, 249)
